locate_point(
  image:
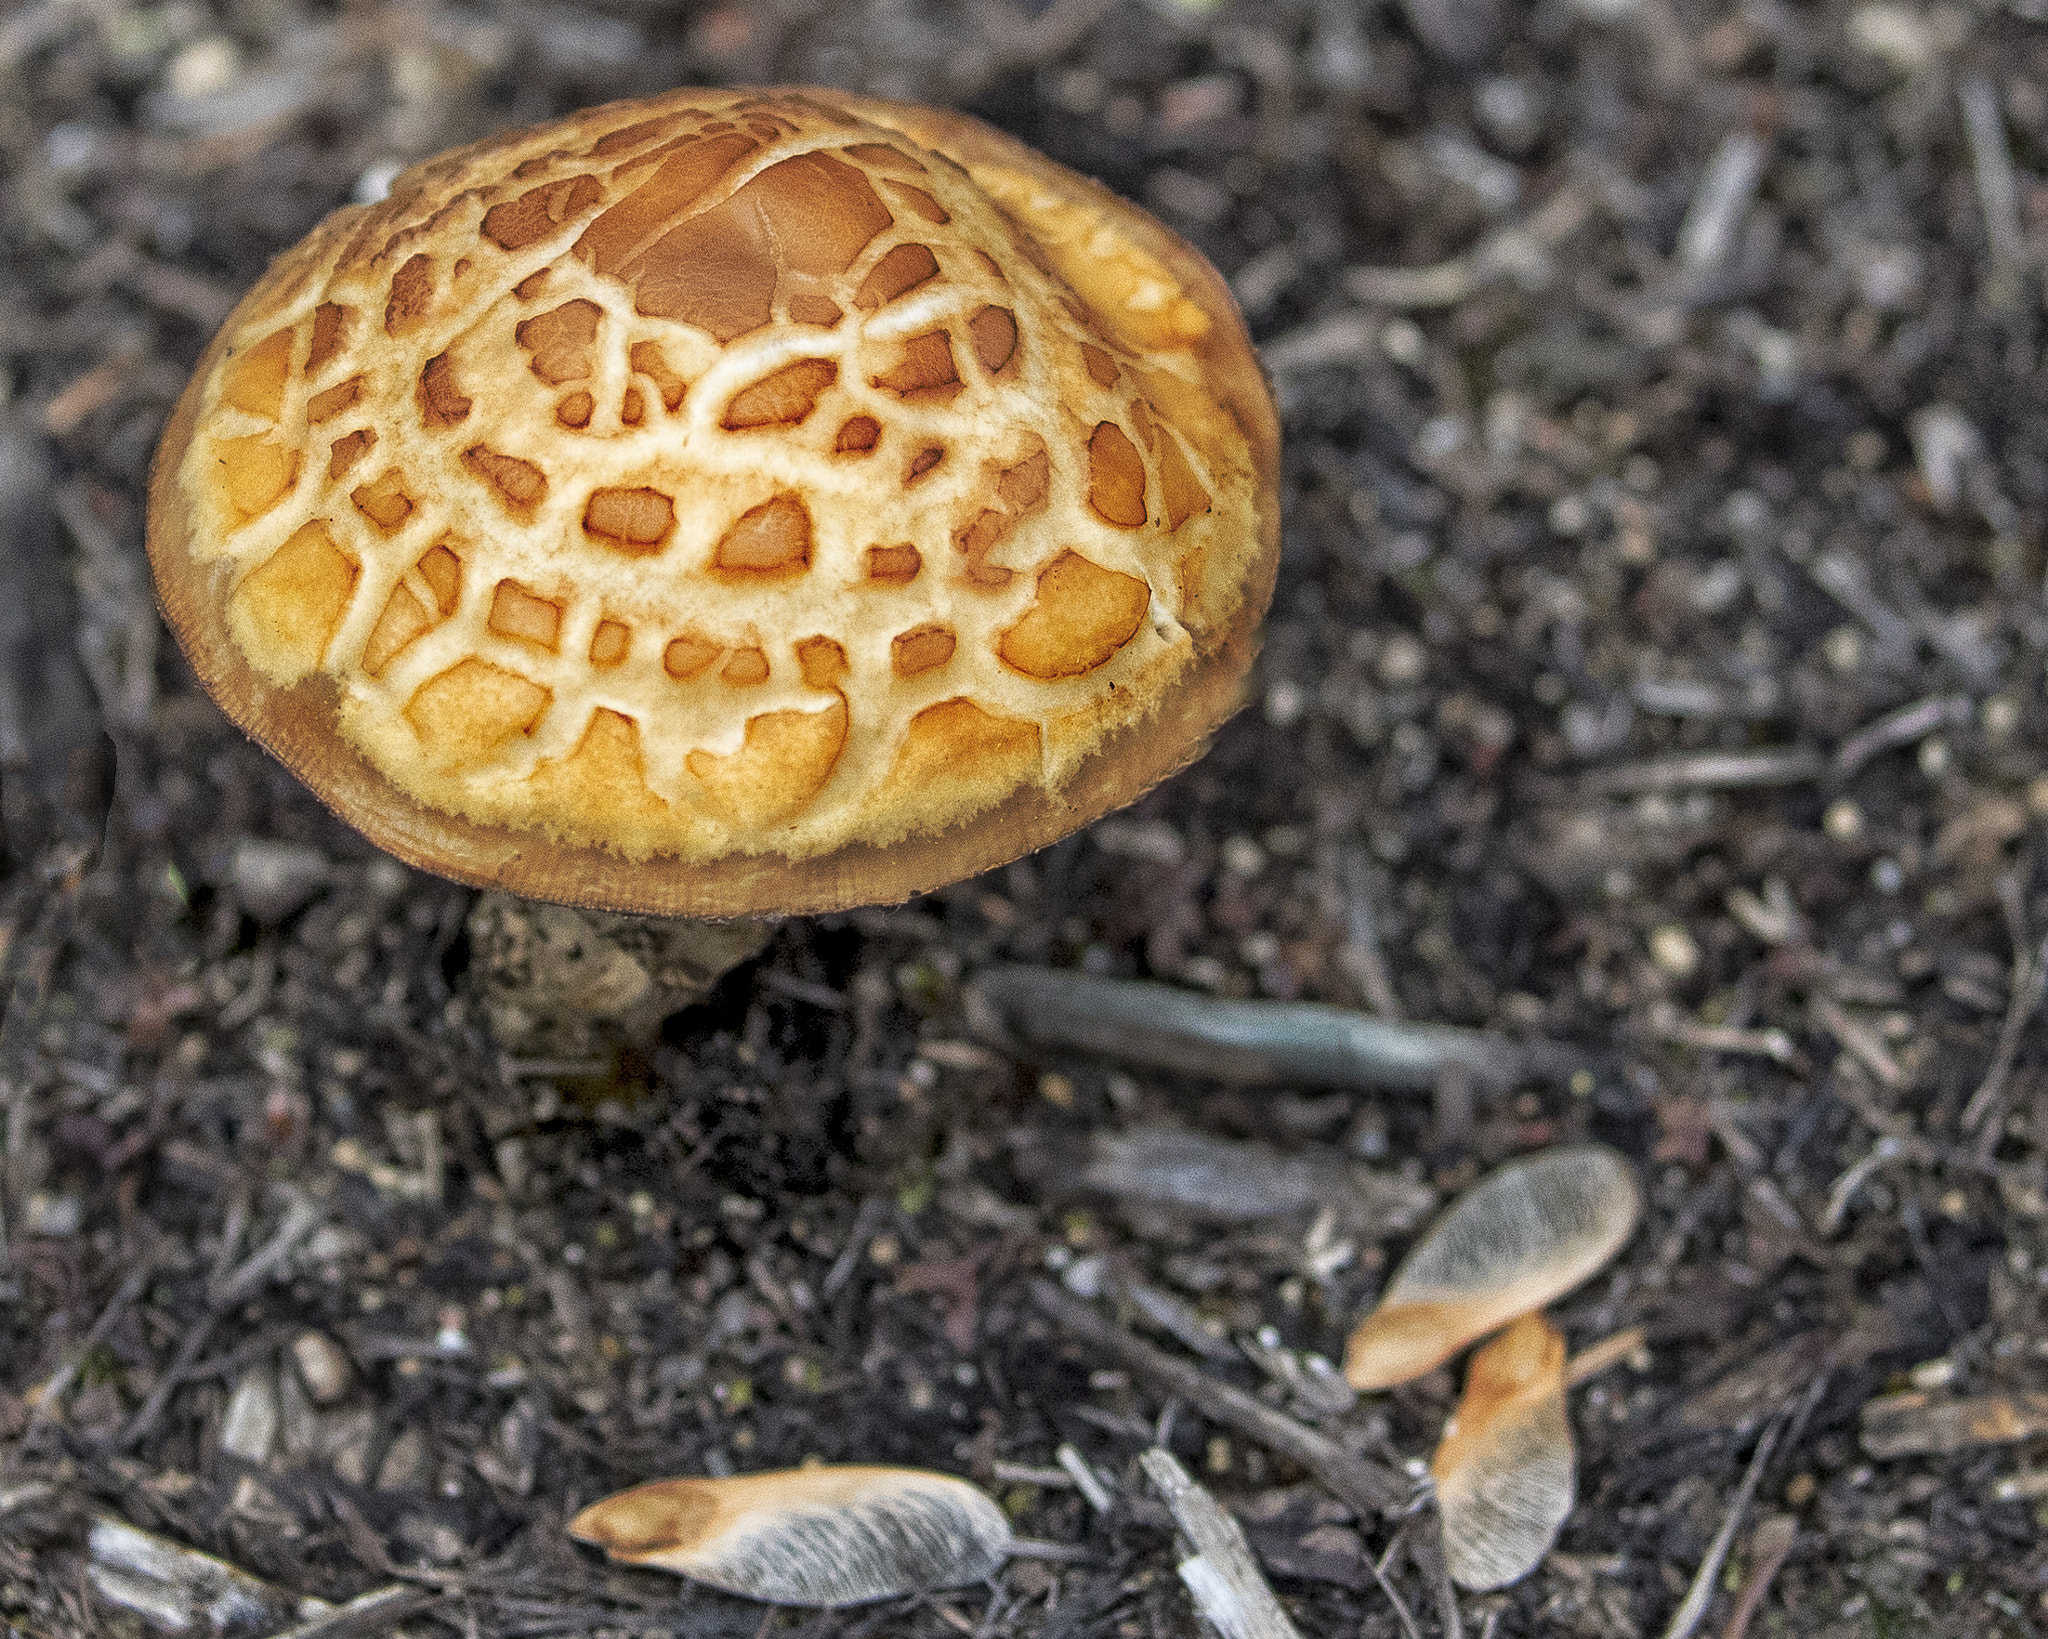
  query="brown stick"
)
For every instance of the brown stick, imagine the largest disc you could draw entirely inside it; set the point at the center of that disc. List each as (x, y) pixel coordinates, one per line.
(1770, 1544)
(1595, 1358)
(1366, 1486)
(365, 1616)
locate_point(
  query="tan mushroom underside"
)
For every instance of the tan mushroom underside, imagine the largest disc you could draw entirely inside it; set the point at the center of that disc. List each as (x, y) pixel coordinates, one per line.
(722, 502)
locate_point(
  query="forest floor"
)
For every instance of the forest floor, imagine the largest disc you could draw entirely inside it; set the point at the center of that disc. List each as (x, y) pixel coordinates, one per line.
(1656, 669)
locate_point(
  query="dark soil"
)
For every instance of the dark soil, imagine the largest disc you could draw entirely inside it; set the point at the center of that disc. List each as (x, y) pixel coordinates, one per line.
(1657, 668)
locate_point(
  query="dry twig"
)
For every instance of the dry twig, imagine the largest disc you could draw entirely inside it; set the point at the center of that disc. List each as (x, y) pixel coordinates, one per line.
(1770, 1545)
(1596, 1358)
(1425, 1548)
(1366, 1486)
(1227, 1584)
(1252, 1043)
(2029, 985)
(1900, 728)
(1991, 165)
(1862, 1043)
(366, 1616)
(302, 1215)
(1708, 771)
(1520, 250)
(50, 1398)
(1692, 1610)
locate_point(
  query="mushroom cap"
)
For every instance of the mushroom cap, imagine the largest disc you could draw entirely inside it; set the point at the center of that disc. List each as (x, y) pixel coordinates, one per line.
(726, 502)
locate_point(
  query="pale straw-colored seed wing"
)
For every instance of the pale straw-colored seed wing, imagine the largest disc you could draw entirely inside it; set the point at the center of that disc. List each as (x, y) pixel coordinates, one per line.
(1504, 1470)
(1516, 1240)
(806, 1536)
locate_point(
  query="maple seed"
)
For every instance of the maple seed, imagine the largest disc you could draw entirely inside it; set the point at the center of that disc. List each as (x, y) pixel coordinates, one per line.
(1518, 1238)
(1504, 1470)
(821, 1536)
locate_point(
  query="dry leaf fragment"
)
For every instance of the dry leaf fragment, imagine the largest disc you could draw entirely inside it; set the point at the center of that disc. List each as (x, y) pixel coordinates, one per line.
(1519, 1238)
(806, 1536)
(1504, 1470)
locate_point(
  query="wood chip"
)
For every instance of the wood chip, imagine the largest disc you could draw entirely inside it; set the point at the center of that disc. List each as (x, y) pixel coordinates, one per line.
(1221, 1574)
(1914, 1425)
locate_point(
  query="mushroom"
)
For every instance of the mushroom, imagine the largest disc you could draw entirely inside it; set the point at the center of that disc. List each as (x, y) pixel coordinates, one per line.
(725, 503)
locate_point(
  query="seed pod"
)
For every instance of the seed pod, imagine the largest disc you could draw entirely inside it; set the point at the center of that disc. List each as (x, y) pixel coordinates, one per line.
(1517, 1239)
(806, 1536)
(1504, 1469)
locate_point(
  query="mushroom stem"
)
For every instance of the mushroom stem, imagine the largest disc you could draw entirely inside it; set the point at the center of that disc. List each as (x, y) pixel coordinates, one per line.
(563, 984)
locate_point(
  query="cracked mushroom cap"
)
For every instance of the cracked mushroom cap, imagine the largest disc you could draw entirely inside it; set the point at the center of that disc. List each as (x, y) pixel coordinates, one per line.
(726, 502)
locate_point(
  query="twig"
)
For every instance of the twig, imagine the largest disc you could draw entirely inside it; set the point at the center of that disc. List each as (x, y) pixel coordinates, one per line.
(512, 1069)
(1338, 338)
(303, 1214)
(118, 629)
(1595, 1358)
(1227, 1584)
(1367, 1487)
(262, 978)
(1668, 1024)
(866, 1219)
(177, 1587)
(1991, 163)
(1425, 1547)
(1882, 1153)
(1847, 581)
(1440, 284)
(51, 1397)
(1401, 1611)
(1898, 728)
(234, 1225)
(1920, 1425)
(360, 1535)
(1708, 770)
(151, 1409)
(1360, 954)
(1252, 1043)
(1852, 1085)
(1692, 1610)
(1721, 200)
(365, 1616)
(1056, 1479)
(1861, 1041)
(1057, 1553)
(1085, 1479)
(21, 1011)
(1770, 1544)
(2029, 984)
(1520, 250)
